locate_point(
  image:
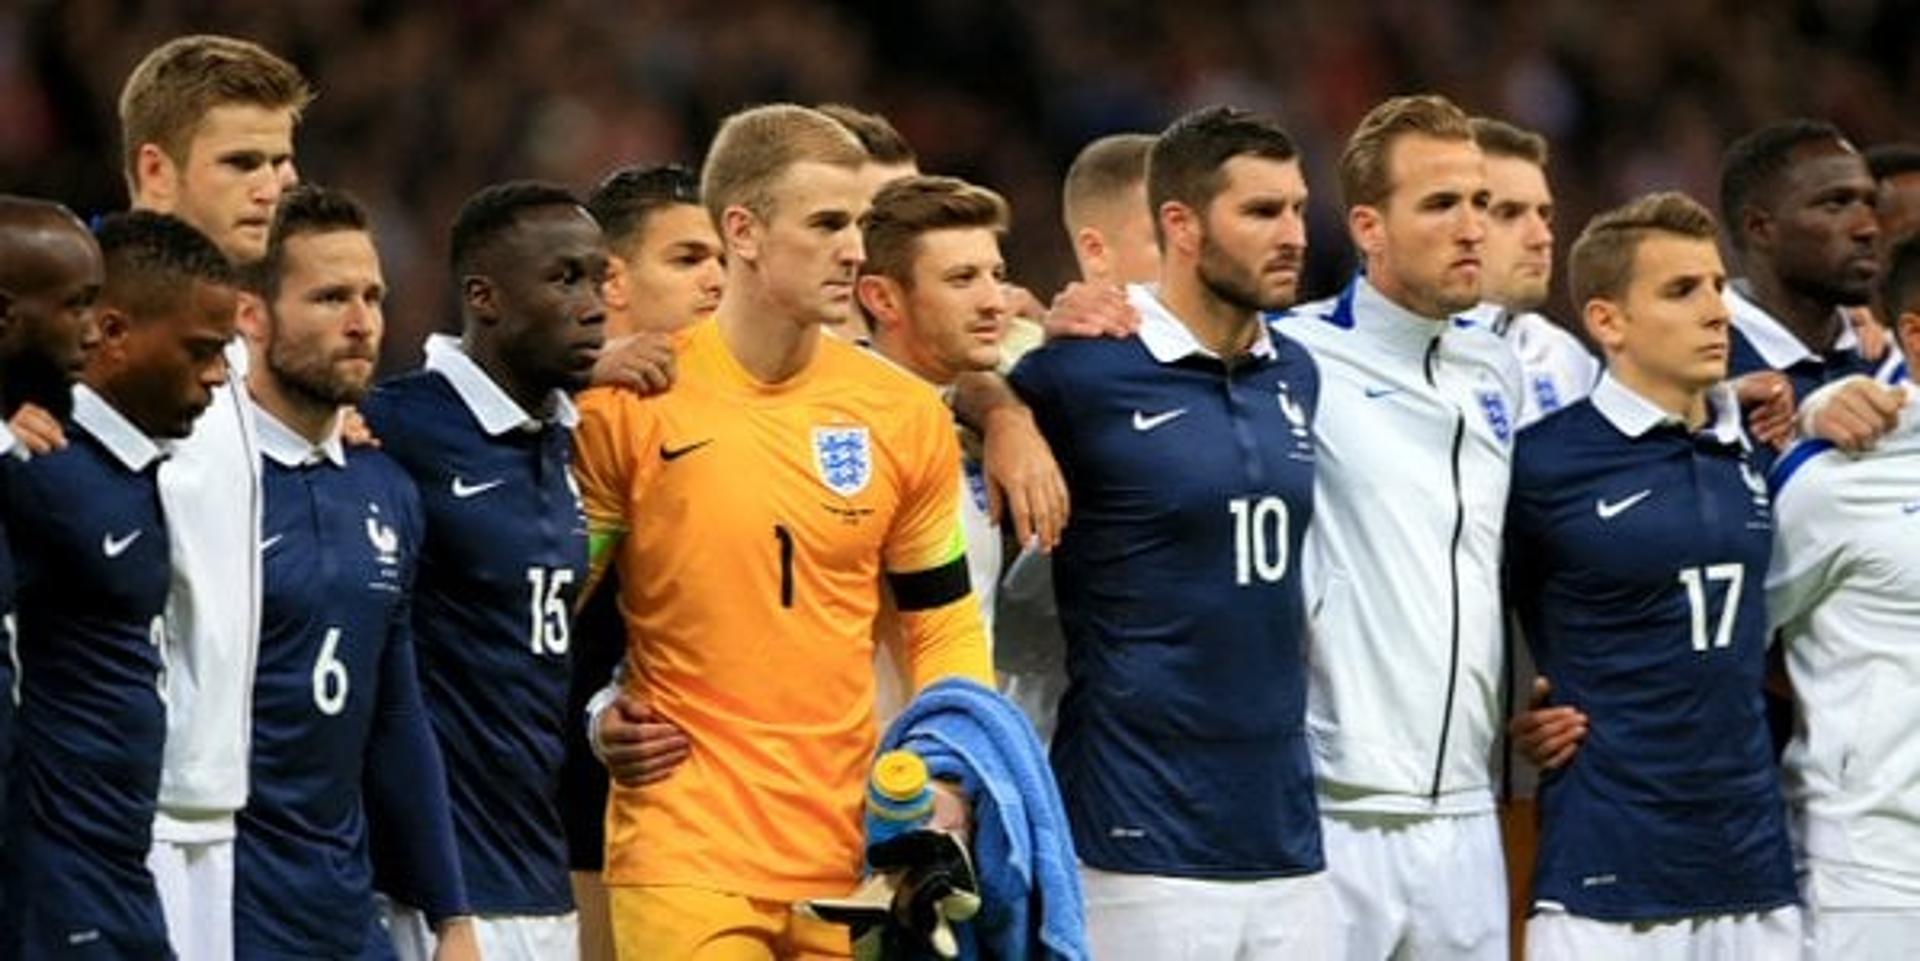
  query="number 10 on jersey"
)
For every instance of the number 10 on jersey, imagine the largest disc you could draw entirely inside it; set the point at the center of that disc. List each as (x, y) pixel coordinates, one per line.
(1259, 539)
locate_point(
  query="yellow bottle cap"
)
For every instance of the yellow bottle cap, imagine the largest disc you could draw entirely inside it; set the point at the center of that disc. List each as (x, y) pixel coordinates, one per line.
(900, 775)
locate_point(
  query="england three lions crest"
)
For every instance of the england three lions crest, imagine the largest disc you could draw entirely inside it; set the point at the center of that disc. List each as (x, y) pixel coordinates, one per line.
(843, 456)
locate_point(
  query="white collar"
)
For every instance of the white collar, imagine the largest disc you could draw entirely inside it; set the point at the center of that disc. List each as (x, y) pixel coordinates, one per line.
(10, 445)
(1771, 339)
(1168, 340)
(496, 412)
(286, 447)
(128, 444)
(1634, 415)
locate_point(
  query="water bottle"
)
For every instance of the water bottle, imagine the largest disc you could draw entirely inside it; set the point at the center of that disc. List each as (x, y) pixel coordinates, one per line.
(899, 796)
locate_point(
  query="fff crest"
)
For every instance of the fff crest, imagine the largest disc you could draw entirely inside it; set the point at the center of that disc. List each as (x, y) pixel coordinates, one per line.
(843, 456)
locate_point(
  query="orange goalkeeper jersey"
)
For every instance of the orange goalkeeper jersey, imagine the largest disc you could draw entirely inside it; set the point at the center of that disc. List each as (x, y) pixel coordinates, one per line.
(754, 527)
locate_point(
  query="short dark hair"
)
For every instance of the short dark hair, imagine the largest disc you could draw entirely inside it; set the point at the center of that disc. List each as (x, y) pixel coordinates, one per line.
(1185, 163)
(306, 209)
(1900, 285)
(1498, 138)
(153, 261)
(493, 211)
(1893, 159)
(1755, 161)
(878, 136)
(626, 198)
(1105, 169)
(1600, 266)
(907, 208)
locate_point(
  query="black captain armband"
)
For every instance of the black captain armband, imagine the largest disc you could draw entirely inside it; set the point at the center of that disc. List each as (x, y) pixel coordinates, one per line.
(931, 588)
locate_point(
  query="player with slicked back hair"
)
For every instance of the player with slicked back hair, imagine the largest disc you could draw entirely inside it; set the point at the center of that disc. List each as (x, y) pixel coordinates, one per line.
(1413, 440)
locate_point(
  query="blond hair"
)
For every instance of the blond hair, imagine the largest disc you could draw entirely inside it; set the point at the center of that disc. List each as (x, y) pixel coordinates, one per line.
(1365, 177)
(756, 146)
(173, 88)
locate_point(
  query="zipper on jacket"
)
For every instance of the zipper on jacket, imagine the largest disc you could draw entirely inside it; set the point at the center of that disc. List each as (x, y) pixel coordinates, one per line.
(1453, 574)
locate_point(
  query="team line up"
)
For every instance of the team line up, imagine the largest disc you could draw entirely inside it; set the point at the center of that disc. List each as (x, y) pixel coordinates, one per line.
(1220, 625)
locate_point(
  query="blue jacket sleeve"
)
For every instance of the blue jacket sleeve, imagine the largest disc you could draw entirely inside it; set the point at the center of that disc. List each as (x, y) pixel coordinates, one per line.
(405, 784)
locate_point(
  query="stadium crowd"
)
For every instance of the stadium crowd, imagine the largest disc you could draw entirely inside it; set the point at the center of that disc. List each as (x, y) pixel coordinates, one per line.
(1223, 609)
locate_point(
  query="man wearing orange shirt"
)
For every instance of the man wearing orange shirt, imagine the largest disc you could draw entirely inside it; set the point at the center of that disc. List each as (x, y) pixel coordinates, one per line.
(753, 512)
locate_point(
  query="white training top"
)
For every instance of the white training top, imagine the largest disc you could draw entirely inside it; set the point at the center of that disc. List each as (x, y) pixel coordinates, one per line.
(210, 493)
(1556, 369)
(1844, 591)
(1414, 446)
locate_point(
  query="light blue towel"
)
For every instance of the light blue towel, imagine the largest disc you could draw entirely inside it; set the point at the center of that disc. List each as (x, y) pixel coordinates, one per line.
(1023, 849)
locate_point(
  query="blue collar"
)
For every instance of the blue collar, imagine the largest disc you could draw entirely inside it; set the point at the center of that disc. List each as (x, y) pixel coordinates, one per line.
(1771, 339)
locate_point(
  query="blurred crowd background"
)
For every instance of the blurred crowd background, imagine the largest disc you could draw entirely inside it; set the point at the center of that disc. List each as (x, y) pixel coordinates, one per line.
(421, 103)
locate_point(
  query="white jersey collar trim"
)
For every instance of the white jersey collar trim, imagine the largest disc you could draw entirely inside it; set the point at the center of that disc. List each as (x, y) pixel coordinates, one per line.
(1168, 339)
(289, 449)
(496, 412)
(1634, 415)
(128, 444)
(1770, 338)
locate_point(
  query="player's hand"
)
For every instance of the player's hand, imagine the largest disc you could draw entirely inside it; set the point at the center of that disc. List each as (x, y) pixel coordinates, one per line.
(1766, 398)
(1022, 303)
(1091, 310)
(354, 430)
(1548, 736)
(457, 941)
(1023, 478)
(1857, 414)
(37, 430)
(937, 887)
(638, 744)
(642, 361)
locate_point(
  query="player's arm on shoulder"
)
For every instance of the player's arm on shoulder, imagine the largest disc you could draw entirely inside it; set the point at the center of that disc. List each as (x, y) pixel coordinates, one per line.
(1852, 412)
(925, 559)
(615, 430)
(1022, 475)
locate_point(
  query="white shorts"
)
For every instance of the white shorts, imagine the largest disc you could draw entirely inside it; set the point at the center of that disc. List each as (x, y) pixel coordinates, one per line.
(1854, 914)
(195, 879)
(1554, 935)
(1147, 917)
(501, 937)
(1411, 887)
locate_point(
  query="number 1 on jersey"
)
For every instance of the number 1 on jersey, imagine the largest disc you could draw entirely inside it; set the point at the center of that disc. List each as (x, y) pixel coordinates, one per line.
(785, 537)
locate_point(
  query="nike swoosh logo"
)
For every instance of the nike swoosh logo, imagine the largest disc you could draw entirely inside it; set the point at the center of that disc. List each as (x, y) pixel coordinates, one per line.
(1608, 511)
(1378, 392)
(267, 544)
(1146, 422)
(114, 547)
(675, 453)
(1913, 508)
(463, 490)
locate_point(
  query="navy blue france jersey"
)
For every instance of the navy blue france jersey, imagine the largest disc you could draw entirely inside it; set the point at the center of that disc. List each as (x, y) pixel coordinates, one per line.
(505, 554)
(1638, 554)
(338, 727)
(1181, 746)
(90, 546)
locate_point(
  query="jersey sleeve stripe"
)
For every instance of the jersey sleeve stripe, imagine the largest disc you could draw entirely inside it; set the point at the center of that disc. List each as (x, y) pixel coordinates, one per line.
(1795, 459)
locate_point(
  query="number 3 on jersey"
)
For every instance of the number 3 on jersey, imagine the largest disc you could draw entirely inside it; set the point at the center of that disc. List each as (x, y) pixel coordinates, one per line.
(1259, 539)
(547, 609)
